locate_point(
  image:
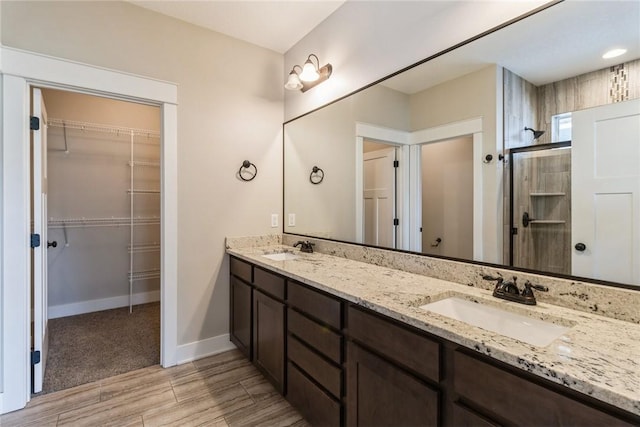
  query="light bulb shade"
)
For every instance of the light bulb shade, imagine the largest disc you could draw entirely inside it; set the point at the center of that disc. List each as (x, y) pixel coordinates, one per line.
(309, 72)
(293, 83)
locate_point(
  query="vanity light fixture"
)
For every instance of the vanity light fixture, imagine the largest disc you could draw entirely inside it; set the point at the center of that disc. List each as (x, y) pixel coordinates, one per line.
(614, 53)
(309, 75)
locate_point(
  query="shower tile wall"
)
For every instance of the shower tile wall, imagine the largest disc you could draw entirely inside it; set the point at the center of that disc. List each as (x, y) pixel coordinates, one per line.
(542, 188)
(531, 106)
(593, 89)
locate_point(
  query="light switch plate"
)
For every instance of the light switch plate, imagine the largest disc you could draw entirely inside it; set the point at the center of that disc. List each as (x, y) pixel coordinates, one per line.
(274, 220)
(292, 220)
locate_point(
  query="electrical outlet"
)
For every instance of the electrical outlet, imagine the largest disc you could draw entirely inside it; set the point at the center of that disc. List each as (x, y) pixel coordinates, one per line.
(292, 220)
(274, 220)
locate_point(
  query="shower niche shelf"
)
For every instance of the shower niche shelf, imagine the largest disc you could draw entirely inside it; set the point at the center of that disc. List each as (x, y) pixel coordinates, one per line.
(544, 194)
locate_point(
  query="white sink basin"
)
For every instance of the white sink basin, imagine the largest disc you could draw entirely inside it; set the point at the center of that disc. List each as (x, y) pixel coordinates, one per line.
(281, 256)
(533, 331)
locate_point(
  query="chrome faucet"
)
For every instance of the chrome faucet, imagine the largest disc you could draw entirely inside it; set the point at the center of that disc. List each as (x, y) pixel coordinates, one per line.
(510, 291)
(305, 246)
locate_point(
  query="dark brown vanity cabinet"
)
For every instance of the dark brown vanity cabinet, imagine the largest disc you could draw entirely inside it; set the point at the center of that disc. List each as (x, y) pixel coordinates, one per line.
(505, 396)
(314, 354)
(241, 295)
(392, 374)
(269, 326)
(341, 364)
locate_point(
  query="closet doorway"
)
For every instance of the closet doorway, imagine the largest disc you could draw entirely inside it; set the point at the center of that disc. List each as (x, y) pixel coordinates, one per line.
(103, 238)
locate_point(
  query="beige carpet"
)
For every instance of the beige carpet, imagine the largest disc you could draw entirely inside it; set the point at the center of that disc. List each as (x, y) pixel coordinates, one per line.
(93, 346)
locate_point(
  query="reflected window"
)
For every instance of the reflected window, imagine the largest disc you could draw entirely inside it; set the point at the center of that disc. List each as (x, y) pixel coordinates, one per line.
(561, 127)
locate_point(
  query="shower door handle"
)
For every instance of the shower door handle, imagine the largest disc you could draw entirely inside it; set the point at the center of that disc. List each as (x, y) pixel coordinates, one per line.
(580, 247)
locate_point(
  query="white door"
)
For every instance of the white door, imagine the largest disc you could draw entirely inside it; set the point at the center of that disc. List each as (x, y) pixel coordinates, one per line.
(605, 182)
(379, 198)
(39, 214)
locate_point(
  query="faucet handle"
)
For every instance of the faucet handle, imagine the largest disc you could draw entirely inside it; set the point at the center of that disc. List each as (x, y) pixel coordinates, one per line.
(528, 288)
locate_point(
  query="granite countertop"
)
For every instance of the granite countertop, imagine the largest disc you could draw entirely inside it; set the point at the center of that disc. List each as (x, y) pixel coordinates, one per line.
(598, 356)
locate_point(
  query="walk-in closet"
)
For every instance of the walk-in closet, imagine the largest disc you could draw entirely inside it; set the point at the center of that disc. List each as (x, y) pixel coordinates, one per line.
(103, 237)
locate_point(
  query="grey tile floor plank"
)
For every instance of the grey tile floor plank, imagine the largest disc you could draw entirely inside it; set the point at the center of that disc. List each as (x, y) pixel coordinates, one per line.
(224, 390)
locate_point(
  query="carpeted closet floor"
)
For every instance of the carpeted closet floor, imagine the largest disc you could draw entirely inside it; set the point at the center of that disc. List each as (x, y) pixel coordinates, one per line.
(93, 346)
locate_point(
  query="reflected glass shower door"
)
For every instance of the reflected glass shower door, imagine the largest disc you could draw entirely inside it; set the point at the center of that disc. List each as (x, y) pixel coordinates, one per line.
(540, 207)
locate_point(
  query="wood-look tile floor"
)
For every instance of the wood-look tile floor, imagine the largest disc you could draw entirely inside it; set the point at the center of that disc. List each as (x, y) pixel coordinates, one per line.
(221, 390)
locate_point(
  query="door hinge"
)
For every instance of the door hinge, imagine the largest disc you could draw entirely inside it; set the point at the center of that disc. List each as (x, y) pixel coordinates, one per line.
(421, 229)
(396, 221)
(34, 123)
(35, 240)
(396, 163)
(35, 357)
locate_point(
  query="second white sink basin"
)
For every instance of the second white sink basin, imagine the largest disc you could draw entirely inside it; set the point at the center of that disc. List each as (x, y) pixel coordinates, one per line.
(281, 256)
(533, 331)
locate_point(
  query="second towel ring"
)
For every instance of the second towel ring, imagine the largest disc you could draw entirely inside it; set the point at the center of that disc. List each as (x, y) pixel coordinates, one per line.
(246, 165)
(316, 176)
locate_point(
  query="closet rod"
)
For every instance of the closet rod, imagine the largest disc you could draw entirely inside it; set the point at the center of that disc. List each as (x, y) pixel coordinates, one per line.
(96, 127)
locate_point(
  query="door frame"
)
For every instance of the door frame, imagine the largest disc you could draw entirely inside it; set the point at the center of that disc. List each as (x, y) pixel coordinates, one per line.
(22, 70)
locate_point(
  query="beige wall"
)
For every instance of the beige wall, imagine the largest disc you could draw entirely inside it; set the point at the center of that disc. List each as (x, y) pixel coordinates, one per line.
(230, 108)
(447, 197)
(477, 94)
(327, 139)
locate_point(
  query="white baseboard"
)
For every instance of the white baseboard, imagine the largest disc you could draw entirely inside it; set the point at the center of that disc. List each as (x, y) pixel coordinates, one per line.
(207, 347)
(72, 309)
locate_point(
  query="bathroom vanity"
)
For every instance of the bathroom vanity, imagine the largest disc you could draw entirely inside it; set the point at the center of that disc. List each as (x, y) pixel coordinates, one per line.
(347, 343)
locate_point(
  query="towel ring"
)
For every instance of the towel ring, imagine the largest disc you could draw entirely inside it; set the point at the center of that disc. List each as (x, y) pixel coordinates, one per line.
(246, 165)
(316, 176)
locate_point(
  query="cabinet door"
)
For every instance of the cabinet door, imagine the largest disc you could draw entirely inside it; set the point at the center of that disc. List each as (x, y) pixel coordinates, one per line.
(241, 315)
(381, 394)
(268, 338)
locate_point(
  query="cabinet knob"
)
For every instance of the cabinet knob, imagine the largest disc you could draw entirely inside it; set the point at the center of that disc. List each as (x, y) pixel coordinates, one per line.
(580, 247)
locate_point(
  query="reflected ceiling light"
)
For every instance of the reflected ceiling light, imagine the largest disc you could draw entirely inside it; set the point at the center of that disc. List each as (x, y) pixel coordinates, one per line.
(309, 75)
(613, 53)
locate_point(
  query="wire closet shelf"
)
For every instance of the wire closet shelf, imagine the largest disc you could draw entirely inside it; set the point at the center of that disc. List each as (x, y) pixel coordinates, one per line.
(95, 127)
(134, 136)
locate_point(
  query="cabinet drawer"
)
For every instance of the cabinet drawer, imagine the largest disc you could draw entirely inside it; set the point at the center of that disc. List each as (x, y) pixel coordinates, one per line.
(317, 336)
(315, 405)
(317, 305)
(269, 282)
(519, 400)
(326, 374)
(408, 348)
(240, 269)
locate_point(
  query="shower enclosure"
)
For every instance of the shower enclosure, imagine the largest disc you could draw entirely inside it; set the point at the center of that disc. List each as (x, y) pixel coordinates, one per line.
(540, 207)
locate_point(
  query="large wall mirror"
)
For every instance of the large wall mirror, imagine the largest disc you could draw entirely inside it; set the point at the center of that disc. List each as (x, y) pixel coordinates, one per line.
(437, 159)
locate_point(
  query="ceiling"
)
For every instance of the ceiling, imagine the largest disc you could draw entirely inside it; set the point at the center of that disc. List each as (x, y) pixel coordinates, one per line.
(565, 40)
(275, 25)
